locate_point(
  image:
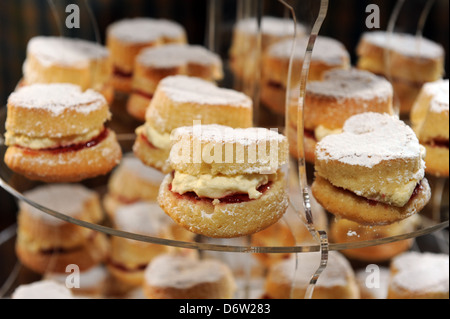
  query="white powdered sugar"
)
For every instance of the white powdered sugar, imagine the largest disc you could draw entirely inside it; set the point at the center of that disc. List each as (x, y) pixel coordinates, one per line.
(440, 103)
(225, 134)
(173, 55)
(182, 272)
(436, 87)
(44, 289)
(55, 98)
(142, 218)
(336, 274)
(344, 84)
(421, 272)
(135, 166)
(188, 89)
(90, 278)
(405, 44)
(326, 50)
(375, 286)
(143, 30)
(273, 26)
(77, 53)
(67, 199)
(370, 138)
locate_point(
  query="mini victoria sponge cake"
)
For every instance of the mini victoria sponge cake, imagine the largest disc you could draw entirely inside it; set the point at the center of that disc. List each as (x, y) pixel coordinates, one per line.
(67, 60)
(243, 55)
(407, 60)
(181, 100)
(328, 54)
(129, 258)
(419, 275)
(155, 63)
(48, 244)
(346, 231)
(337, 281)
(430, 121)
(127, 37)
(237, 191)
(131, 182)
(57, 133)
(373, 172)
(329, 102)
(172, 276)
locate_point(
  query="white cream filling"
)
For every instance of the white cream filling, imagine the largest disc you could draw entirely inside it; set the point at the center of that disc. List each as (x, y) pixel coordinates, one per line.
(219, 186)
(158, 139)
(37, 143)
(400, 188)
(321, 131)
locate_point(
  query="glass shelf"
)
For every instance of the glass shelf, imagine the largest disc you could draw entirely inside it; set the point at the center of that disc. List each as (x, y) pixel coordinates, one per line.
(16, 185)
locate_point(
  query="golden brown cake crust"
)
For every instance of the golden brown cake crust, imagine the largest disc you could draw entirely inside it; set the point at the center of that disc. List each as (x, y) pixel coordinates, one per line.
(70, 166)
(128, 37)
(225, 220)
(67, 60)
(132, 256)
(309, 144)
(137, 105)
(343, 231)
(345, 204)
(151, 155)
(172, 276)
(85, 256)
(181, 99)
(437, 160)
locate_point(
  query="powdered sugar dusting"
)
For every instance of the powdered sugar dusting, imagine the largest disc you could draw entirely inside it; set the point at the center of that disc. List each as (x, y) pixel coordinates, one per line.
(369, 138)
(181, 88)
(136, 167)
(182, 272)
(326, 50)
(68, 199)
(421, 272)
(224, 134)
(173, 55)
(55, 98)
(44, 289)
(337, 272)
(90, 278)
(352, 84)
(406, 44)
(440, 103)
(143, 218)
(436, 87)
(71, 52)
(142, 30)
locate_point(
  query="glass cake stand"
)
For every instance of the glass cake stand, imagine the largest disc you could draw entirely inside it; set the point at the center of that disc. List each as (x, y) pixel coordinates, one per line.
(434, 217)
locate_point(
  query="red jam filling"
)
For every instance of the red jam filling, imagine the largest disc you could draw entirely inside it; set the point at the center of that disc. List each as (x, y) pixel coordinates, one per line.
(230, 199)
(416, 191)
(275, 85)
(74, 147)
(143, 94)
(310, 134)
(121, 73)
(439, 143)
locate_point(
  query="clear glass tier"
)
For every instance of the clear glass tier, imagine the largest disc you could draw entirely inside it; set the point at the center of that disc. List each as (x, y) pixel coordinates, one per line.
(434, 217)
